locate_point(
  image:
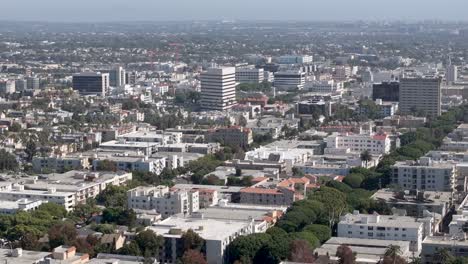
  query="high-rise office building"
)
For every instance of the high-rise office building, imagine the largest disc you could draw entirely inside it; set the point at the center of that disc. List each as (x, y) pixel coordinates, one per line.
(420, 95)
(21, 85)
(91, 83)
(451, 74)
(387, 91)
(33, 83)
(218, 88)
(7, 87)
(117, 76)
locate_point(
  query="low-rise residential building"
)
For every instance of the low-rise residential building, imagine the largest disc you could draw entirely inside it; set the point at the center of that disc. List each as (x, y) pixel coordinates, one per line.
(416, 202)
(164, 200)
(325, 86)
(268, 196)
(358, 143)
(424, 174)
(383, 227)
(366, 250)
(66, 199)
(456, 246)
(234, 136)
(83, 184)
(162, 137)
(218, 234)
(23, 204)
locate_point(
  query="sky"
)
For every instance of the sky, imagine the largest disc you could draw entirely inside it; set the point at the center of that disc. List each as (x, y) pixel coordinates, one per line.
(175, 10)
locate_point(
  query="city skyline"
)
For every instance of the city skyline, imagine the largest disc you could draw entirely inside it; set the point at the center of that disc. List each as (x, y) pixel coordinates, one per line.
(146, 10)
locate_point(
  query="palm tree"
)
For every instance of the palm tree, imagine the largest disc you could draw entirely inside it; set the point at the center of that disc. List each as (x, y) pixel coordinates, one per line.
(393, 252)
(443, 255)
(366, 156)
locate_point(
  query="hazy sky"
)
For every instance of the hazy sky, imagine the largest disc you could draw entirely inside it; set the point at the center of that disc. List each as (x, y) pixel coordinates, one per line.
(144, 10)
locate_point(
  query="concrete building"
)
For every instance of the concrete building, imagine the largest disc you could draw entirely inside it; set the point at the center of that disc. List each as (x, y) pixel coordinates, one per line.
(325, 86)
(162, 137)
(249, 75)
(66, 199)
(387, 91)
(117, 76)
(266, 196)
(289, 80)
(383, 227)
(83, 184)
(358, 143)
(366, 250)
(218, 234)
(416, 202)
(7, 87)
(314, 108)
(456, 245)
(424, 175)
(165, 201)
(451, 74)
(91, 83)
(218, 88)
(33, 83)
(24, 204)
(295, 59)
(234, 136)
(420, 94)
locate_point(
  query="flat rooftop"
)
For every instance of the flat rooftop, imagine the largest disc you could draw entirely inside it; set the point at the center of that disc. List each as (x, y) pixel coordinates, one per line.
(384, 220)
(27, 256)
(365, 249)
(208, 229)
(219, 188)
(430, 197)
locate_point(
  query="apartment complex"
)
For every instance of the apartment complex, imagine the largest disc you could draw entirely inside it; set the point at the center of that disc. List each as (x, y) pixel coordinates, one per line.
(218, 234)
(218, 88)
(165, 201)
(233, 136)
(17, 192)
(420, 94)
(424, 174)
(267, 196)
(377, 144)
(383, 227)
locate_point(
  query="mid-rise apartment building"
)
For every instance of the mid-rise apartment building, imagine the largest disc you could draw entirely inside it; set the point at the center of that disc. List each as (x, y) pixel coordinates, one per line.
(383, 227)
(377, 144)
(234, 136)
(424, 174)
(420, 94)
(165, 201)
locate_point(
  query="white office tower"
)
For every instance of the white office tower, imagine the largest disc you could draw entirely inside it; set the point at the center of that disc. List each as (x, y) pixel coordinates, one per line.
(117, 76)
(451, 74)
(420, 95)
(218, 88)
